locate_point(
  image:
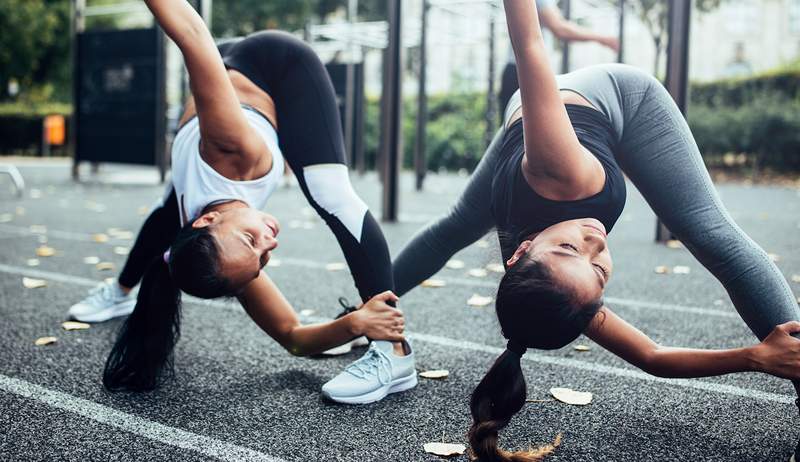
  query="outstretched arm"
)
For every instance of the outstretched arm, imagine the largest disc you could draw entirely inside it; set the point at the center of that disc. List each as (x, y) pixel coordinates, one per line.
(554, 158)
(267, 306)
(223, 126)
(568, 31)
(778, 354)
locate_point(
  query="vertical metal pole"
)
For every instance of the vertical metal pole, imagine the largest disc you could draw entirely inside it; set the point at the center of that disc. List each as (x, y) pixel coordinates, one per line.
(160, 115)
(491, 99)
(621, 36)
(78, 25)
(565, 11)
(677, 81)
(393, 107)
(204, 8)
(420, 166)
(349, 92)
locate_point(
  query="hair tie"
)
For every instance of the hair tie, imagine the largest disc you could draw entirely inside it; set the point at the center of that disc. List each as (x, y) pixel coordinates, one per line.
(516, 347)
(166, 256)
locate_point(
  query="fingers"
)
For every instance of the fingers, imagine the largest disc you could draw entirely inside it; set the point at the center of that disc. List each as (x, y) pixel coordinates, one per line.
(387, 296)
(790, 327)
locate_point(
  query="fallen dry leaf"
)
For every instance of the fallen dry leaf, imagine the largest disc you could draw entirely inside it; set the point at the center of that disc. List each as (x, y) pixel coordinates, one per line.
(570, 396)
(45, 341)
(335, 266)
(435, 374)
(32, 262)
(72, 325)
(45, 251)
(581, 348)
(100, 237)
(681, 269)
(104, 266)
(31, 283)
(445, 449)
(454, 264)
(477, 272)
(91, 260)
(662, 269)
(796, 278)
(496, 268)
(674, 244)
(479, 300)
(122, 250)
(433, 283)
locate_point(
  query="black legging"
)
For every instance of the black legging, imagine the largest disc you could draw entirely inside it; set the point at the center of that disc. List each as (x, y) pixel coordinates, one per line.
(310, 137)
(508, 86)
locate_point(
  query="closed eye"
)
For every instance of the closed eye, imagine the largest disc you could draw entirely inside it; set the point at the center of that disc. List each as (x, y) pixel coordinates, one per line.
(251, 239)
(567, 245)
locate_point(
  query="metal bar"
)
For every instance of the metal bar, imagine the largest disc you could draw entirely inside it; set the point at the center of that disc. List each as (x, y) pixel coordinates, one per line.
(420, 166)
(121, 8)
(491, 98)
(565, 11)
(77, 26)
(677, 80)
(160, 116)
(392, 106)
(621, 36)
(349, 92)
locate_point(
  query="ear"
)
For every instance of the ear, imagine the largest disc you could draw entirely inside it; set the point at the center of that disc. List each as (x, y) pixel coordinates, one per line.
(521, 250)
(206, 219)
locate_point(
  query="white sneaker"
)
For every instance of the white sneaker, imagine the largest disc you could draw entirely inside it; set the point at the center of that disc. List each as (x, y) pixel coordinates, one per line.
(378, 373)
(104, 302)
(347, 347)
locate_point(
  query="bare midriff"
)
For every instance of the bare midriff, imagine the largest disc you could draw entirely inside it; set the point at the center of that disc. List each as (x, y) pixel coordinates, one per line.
(567, 96)
(247, 92)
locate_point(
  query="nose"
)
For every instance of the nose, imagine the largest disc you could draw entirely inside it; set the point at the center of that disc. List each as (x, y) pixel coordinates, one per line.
(597, 243)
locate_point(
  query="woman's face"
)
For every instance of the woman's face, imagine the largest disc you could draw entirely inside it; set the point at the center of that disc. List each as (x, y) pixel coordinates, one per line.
(576, 253)
(245, 237)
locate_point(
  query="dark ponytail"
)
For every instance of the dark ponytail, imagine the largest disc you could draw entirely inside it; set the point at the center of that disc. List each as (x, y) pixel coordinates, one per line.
(142, 354)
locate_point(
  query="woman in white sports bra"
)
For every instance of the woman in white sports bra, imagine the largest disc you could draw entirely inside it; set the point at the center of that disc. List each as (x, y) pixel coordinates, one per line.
(227, 158)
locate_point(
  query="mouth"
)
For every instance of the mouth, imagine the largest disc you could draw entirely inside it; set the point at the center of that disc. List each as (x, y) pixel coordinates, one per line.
(272, 228)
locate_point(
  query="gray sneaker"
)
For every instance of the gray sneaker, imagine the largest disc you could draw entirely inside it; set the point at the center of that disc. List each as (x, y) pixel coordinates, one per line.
(106, 301)
(378, 373)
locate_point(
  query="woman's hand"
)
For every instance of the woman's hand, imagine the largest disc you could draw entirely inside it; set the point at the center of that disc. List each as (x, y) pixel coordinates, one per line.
(379, 321)
(779, 353)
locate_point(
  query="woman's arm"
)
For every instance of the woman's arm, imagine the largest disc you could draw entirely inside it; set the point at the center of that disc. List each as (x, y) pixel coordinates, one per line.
(223, 127)
(267, 306)
(568, 31)
(554, 159)
(778, 354)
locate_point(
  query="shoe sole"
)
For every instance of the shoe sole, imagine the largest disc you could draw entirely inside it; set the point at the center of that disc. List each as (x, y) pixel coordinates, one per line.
(115, 311)
(402, 384)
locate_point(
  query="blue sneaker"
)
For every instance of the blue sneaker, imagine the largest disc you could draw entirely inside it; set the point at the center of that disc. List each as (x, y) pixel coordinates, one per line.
(379, 372)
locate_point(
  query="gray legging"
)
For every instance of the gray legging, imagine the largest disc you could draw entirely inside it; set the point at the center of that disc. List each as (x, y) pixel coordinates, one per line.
(658, 153)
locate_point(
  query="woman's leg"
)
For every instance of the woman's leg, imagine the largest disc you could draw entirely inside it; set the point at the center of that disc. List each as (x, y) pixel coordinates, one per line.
(468, 220)
(310, 135)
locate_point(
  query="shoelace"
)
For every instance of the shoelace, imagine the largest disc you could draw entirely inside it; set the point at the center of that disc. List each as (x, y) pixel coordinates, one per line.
(347, 307)
(374, 360)
(104, 292)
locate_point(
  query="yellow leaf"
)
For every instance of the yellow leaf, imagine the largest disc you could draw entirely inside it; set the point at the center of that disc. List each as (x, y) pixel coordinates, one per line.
(496, 268)
(104, 266)
(581, 348)
(100, 237)
(570, 396)
(662, 269)
(455, 264)
(435, 374)
(32, 262)
(72, 325)
(45, 341)
(445, 449)
(335, 266)
(91, 260)
(681, 270)
(674, 244)
(45, 251)
(477, 272)
(479, 300)
(122, 250)
(31, 283)
(433, 283)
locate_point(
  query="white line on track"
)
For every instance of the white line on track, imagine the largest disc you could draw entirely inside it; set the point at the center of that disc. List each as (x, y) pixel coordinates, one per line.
(155, 431)
(303, 263)
(472, 346)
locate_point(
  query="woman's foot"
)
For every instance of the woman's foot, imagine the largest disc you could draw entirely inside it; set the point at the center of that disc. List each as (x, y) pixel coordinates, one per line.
(378, 373)
(106, 301)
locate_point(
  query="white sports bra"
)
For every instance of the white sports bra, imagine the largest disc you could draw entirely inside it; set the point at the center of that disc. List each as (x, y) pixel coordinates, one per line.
(197, 184)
